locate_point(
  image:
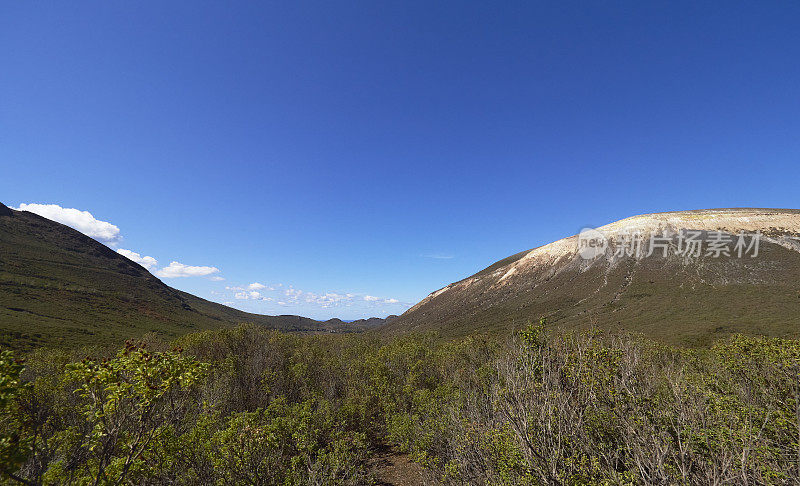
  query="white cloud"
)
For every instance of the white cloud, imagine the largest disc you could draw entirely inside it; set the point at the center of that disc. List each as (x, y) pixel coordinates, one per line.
(250, 295)
(328, 299)
(287, 295)
(108, 233)
(378, 301)
(176, 269)
(217, 278)
(147, 262)
(293, 293)
(82, 221)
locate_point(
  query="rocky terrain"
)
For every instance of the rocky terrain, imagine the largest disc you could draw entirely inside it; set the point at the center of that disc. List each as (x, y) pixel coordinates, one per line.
(679, 298)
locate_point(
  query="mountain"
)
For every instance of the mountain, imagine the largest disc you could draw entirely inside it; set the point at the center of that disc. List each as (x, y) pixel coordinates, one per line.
(679, 298)
(58, 286)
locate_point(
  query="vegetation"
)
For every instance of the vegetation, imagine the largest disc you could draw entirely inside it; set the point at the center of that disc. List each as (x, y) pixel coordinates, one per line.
(253, 406)
(674, 300)
(60, 287)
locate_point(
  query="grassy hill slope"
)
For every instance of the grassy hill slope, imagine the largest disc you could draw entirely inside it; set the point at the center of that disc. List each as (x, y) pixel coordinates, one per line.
(669, 299)
(58, 286)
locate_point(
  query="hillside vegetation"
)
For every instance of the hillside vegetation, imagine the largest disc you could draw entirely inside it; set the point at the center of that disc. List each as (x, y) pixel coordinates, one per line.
(58, 287)
(253, 406)
(673, 299)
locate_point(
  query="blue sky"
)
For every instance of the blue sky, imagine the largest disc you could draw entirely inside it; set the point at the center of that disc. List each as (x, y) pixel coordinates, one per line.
(381, 150)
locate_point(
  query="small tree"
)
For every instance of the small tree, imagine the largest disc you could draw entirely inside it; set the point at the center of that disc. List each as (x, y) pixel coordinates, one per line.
(14, 444)
(128, 402)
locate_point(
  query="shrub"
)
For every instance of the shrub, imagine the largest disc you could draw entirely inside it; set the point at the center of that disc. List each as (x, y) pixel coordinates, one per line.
(14, 443)
(129, 403)
(252, 406)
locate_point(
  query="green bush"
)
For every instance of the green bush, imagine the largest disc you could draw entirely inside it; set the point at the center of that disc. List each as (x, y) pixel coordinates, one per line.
(15, 443)
(252, 406)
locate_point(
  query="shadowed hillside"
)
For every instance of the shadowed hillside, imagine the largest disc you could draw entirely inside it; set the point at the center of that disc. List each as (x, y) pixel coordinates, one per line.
(58, 286)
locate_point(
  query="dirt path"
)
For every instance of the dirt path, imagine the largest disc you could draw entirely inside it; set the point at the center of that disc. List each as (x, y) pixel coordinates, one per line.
(392, 468)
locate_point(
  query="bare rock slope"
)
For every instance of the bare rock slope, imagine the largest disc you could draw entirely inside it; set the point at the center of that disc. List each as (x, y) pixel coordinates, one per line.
(679, 296)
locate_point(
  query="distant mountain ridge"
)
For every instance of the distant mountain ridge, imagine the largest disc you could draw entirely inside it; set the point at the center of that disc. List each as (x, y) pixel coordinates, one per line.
(672, 299)
(59, 286)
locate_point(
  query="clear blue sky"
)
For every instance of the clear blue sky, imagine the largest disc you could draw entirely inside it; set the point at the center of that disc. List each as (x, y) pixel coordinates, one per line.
(387, 149)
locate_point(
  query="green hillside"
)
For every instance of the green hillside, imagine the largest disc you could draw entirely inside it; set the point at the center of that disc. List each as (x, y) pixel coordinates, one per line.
(58, 286)
(674, 300)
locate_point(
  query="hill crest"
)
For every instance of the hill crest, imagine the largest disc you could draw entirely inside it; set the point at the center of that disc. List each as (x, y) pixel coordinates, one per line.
(554, 281)
(59, 286)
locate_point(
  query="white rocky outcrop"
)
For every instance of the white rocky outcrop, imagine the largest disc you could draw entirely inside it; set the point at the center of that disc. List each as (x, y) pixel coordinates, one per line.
(781, 226)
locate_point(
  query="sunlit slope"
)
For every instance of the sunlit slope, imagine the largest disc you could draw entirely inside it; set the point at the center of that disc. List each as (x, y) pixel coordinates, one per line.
(672, 298)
